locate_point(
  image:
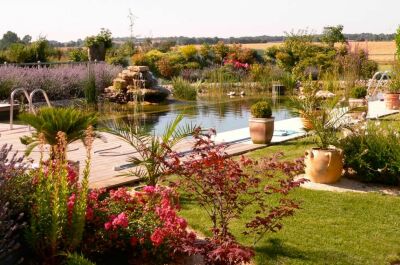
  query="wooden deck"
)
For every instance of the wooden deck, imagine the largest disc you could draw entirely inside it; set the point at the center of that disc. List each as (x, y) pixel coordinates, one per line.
(106, 156)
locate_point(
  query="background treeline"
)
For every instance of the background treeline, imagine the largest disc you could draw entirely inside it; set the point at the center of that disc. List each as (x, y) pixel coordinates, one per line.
(182, 40)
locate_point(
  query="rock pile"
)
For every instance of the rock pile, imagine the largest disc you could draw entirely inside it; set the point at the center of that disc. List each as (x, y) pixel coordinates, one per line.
(136, 84)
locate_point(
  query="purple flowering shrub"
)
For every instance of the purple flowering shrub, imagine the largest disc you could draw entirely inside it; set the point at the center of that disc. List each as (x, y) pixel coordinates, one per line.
(62, 82)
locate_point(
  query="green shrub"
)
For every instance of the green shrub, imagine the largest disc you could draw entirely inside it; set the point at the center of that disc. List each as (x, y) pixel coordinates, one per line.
(261, 109)
(373, 153)
(77, 259)
(182, 89)
(358, 92)
(78, 55)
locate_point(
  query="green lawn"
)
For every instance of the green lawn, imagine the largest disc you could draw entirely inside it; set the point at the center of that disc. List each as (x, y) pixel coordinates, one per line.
(331, 228)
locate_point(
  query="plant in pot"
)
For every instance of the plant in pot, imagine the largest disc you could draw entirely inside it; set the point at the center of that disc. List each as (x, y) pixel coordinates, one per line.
(261, 123)
(308, 104)
(49, 122)
(392, 100)
(358, 104)
(98, 45)
(324, 164)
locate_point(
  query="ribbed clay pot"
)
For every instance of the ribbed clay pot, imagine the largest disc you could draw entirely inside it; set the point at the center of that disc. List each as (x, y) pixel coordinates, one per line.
(261, 130)
(323, 165)
(392, 101)
(358, 108)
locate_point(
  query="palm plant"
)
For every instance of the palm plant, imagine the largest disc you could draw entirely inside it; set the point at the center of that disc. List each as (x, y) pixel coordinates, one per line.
(151, 149)
(49, 121)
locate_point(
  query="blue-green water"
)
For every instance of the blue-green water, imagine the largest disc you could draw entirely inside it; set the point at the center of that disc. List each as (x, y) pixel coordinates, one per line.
(222, 115)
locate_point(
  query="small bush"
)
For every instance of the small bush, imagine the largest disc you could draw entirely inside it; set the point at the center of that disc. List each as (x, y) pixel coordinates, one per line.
(78, 55)
(358, 92)
(183, 89)
(261, 109)
(373, 154)
(77, 259)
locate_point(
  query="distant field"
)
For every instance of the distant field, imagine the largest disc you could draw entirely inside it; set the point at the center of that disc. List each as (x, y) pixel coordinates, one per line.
(382, 52)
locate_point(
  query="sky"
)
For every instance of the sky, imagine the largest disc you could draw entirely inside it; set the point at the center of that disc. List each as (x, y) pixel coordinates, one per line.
(72, 19)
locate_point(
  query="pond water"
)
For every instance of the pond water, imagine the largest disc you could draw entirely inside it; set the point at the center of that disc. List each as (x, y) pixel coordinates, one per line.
(222, 114)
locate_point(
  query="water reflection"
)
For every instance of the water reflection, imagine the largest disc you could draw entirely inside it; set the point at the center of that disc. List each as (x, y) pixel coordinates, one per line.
(221, 115)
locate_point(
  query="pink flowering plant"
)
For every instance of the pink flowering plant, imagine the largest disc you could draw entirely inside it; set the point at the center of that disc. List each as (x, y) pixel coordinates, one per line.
(224, 189)
(137, 225)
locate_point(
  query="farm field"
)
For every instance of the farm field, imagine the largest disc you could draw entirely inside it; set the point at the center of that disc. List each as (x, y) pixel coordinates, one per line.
(382, 52)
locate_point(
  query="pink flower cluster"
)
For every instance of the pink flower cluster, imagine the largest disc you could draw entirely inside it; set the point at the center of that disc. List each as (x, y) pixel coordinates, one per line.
(236, 64)
(121, 220)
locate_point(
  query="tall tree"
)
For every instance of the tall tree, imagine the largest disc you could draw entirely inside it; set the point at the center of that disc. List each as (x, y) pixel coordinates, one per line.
(333, 34)
(8, 39)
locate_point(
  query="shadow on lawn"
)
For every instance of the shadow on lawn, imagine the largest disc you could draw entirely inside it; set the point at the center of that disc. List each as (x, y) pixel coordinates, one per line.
(274, 251)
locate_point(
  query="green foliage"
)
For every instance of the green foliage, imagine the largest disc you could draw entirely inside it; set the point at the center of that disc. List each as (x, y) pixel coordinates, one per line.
(261, 109)
(333, 34)
(78, 55)
(39, 50)
(299, 53)
(182, 89)
(104, 37)
(51, 121)
(371, 151)
(151, 148)
(358, 92)
(189, 52)
(77, 259)
(59, 205)
(394, 83)
(397, 40)
(90, 89)
(221, 51)
(9, 38)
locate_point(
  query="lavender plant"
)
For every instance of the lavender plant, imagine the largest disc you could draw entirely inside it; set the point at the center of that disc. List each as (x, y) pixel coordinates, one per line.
(62, 82)
(12, 220)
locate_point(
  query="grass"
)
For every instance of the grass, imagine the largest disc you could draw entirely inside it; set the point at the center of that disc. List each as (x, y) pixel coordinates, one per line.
(331, 228)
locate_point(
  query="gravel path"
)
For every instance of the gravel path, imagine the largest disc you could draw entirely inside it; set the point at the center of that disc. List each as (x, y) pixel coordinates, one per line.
(349, 185)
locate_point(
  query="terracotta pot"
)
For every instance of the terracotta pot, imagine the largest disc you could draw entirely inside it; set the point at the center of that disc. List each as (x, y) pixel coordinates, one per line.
(392, 101)
(307, 124)
(261, 130)
(358, 108)
(324, 165)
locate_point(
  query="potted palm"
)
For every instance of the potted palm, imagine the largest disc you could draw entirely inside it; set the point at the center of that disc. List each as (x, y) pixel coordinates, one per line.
(324, 163)
(307, 105)
(392, 100)
(261, 123)
(358, 104)
(49, 122)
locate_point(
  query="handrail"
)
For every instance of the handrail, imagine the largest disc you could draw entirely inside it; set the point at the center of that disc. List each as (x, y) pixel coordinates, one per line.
(31, 98)
(12, 103)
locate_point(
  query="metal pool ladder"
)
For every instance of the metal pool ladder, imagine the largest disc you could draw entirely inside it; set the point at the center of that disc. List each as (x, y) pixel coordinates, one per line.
(29, 97)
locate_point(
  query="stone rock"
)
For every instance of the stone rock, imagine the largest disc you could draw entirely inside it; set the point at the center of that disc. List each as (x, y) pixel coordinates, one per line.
(324, 94)
(136, 68)
(136, 83)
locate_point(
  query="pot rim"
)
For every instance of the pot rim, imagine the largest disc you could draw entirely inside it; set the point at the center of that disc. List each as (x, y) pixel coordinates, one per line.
(261, 119)
(332, 149)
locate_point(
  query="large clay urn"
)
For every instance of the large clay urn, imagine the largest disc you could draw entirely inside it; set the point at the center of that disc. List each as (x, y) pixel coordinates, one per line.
(261, 130)
(324, 165)
(97, 52)
(392, 101)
